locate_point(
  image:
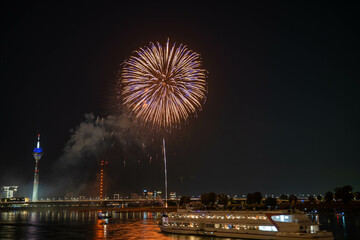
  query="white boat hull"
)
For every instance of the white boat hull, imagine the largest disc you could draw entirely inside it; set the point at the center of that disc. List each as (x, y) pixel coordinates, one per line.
(216, 233)
(277, 236)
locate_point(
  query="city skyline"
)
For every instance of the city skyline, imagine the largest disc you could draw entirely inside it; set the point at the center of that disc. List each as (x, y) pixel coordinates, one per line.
(281, 114)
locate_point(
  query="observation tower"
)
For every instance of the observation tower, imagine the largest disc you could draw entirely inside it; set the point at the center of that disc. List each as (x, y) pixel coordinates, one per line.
(37, 153)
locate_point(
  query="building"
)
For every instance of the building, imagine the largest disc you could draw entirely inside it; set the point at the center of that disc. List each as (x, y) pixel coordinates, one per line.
(150, 195)
(173, 195)
(8, 191)
(157, 194)
(37, 153)
(145, 194)
(134, 196)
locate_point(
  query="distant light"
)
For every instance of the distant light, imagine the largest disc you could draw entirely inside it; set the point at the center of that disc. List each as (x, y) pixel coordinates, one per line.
(38, 150)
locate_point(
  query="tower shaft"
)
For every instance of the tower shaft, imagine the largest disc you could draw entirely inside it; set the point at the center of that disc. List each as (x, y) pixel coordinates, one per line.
(36, 182)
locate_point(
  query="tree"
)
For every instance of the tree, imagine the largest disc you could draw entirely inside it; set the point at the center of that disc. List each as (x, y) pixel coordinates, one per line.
(222, 199)
(205, 199)
(208, 199)
(311, 199)
(284, 197)
(293, 199)
(184, 200)
(250, 198)
(319, 197)
(344, 193)
(357, 195)
(270, 202)
(258, 197)
(253, 198)
(212, 197)
(329, 196)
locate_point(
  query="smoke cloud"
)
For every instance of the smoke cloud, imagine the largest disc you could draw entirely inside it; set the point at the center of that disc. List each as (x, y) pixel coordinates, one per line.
(114, 138)
(86, 140)
(93, 136)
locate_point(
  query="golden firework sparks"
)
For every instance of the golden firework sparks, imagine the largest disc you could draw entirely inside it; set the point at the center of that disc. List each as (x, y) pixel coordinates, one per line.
(163, 86)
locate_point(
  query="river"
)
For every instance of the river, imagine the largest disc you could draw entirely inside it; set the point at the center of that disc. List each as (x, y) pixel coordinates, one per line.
(70, 224)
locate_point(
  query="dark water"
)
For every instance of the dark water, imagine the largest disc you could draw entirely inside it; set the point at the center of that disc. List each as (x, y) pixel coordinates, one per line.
(67, 224)
(344, 227)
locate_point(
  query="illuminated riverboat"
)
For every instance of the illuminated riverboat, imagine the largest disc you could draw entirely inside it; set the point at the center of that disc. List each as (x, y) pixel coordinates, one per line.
(245, 224)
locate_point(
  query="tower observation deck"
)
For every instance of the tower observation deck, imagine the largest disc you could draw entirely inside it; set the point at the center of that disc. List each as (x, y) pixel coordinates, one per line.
(37, 153)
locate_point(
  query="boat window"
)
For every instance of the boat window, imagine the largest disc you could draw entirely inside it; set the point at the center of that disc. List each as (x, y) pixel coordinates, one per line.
(209, 225)
(229, 226)
(282, 218)
(186, 224)
(314, 228)
(268, 228)
(253, 217)
(241, 227)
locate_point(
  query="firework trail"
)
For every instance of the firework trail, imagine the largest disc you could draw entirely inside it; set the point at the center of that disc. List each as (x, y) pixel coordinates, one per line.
(163, 86)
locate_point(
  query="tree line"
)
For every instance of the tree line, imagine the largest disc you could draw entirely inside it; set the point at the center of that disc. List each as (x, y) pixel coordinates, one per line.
(209, 200)
(344, 194)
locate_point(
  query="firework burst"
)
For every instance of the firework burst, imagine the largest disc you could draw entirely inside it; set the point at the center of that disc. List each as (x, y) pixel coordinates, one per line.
(163, 86)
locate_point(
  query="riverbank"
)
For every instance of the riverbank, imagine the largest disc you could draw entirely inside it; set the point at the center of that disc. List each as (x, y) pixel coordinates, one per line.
(96, 208)
(330, 207)
(134, 209)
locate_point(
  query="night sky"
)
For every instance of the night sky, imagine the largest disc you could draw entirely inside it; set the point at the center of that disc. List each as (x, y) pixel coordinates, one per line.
(281, 116)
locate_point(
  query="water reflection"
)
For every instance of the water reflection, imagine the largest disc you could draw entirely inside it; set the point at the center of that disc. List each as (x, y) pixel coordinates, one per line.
(135, 229)
(68, 224)
(343, 226)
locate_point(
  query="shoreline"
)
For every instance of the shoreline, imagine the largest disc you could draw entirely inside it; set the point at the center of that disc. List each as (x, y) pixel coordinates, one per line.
(91, 209)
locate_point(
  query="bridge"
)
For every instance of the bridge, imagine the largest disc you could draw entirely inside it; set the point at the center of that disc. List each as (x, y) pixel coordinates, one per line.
(94, 203)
